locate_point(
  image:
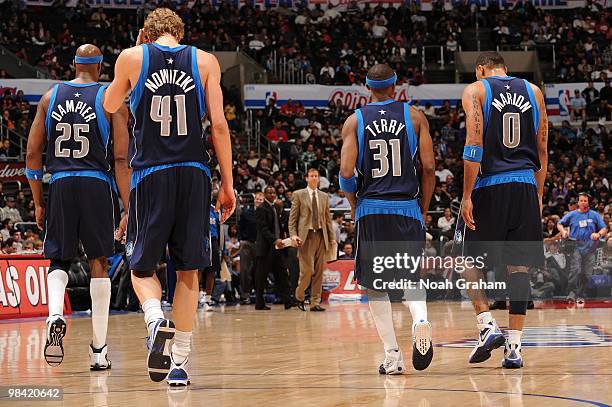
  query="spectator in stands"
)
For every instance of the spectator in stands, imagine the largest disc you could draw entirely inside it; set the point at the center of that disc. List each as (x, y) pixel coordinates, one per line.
(7, 228)
(10, 211)
(287, 111)
(443, 173)
(590, 94)
(578, 106)
(230, 114)
(338, 200)
(9, 246)
(347, 252)
(446, 222)
(255, 184)
(277, 133)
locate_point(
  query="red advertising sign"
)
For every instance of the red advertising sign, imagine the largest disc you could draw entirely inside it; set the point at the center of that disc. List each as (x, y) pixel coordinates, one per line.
(338, 282)
(23, 287)
(13, 172)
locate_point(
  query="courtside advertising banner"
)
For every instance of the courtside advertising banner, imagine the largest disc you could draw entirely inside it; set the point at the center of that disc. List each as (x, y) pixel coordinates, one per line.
(339, 284)
(23, 287)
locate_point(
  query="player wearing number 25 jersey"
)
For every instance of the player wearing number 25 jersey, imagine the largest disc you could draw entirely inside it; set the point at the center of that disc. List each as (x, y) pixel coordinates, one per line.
(76, 130)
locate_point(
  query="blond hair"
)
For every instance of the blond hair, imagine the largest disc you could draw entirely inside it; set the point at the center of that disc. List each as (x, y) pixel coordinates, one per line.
(163, 21)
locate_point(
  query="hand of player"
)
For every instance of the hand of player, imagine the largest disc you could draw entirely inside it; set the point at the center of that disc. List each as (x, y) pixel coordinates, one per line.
(142, 39)
(226, 202)
(466, 213)
(39, 212)
(595, 236)
(565, 234)
(120, 233)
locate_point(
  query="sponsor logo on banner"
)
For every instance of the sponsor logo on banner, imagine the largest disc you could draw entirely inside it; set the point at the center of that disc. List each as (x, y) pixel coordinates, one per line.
(13, 172)
(339, 283)
(23, 287)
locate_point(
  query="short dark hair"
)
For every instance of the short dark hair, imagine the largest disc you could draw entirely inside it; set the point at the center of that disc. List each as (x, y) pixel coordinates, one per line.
(311, 169)
(490, 59)
(380, 72)
(588, 197)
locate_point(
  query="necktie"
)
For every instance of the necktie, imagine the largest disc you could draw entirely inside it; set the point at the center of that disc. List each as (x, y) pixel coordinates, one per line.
(276, 224)
(315, 212)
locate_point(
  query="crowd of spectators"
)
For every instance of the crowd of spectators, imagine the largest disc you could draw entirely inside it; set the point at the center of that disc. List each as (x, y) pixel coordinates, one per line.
(15, 238)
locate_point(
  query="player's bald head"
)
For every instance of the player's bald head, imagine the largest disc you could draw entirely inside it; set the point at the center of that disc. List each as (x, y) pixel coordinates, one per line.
(88, 51)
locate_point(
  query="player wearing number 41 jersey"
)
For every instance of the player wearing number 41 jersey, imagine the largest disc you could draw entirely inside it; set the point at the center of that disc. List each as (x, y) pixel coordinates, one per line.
(173, 87)
(71, 122)
(505, 161)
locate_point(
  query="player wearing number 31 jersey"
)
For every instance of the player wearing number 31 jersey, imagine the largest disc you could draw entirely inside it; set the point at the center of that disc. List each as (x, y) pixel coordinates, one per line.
(173, 87)
(505, 161)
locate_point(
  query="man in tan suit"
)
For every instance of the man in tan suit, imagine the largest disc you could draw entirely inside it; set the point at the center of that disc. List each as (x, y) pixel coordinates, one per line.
(310, 227)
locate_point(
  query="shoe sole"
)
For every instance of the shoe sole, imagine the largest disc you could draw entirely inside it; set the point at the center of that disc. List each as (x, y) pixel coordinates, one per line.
(55, 338)
(97, 367)
(422, 349)
(178, 383)
(484, 353)
(512, 364)
(159, 364)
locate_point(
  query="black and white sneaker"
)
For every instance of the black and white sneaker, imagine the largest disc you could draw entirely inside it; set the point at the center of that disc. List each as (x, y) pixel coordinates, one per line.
(422, 349)
(54, 347)
(98, 358)
(159, 360)
(393, 363)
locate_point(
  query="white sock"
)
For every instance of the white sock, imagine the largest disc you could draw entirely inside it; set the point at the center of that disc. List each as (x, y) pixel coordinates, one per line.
(380, 307)
(181, 346)
(418, 310)
(57, 280)
(100, 291)
(514, 337)
(152, 312)
(484, 318)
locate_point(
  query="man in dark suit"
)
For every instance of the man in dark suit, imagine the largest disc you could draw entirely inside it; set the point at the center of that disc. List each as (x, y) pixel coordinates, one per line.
(269, 232)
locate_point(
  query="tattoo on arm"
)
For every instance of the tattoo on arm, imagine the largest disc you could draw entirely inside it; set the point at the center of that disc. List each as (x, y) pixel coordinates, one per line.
(476, 108)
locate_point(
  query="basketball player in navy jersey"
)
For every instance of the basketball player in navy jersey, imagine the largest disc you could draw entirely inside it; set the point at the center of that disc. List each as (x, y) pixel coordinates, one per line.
(173, 87)
(505, 160)
(72, 124)
(381, 140)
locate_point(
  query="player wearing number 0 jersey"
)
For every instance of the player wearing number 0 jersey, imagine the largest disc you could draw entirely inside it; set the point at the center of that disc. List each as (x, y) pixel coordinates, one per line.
(71, 122)
(385, 142)
(505, 161)
(173, 87)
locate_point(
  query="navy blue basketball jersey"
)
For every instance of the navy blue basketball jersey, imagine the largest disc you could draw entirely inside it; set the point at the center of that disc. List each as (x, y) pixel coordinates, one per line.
(168, 106)
(77, 128)
(511, 120)
(387, 149)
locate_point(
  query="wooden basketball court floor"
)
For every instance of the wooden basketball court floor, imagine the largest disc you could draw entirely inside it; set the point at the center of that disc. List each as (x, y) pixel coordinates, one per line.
(290, 358)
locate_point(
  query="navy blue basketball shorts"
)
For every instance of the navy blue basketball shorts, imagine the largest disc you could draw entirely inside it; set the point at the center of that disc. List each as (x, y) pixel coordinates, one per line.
(389, 251)
(79, 209)
(508, 226)
(170, 208)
